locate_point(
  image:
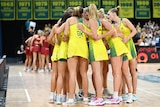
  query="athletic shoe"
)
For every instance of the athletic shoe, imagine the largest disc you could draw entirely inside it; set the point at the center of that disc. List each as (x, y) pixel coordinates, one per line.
(46, 70)
(97, 102)
(63, 98)
(120, 98)
(51, 98)
(124, 97)
(85, 100)
(113, 101)
(93, 99)
(67, 96)
(29, 70)
(58, 99)
(68, 102)
(134, 97)
(25, 69)
(90, 95)
(34, 70)
(79, 96)
(129, 99)
(110, 97)
(41, 70)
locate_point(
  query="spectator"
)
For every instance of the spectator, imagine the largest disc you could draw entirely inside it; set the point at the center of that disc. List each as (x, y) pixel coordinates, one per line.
(21, 54)
(138, 27)
(154, 41)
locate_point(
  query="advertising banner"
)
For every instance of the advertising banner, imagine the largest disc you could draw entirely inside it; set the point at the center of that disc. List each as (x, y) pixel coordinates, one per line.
(148, 54)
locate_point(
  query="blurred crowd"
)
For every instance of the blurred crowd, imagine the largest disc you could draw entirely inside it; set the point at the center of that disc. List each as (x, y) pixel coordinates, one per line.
(148, 34)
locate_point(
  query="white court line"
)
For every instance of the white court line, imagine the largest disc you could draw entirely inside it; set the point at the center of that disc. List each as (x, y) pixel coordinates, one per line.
(28, 97)
(20, 74)
(145, 91)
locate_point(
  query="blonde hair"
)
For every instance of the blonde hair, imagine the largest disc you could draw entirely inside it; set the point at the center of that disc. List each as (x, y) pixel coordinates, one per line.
(101, 13)
(115, 10)
(93, 11)
(40, 32)
(78, 11)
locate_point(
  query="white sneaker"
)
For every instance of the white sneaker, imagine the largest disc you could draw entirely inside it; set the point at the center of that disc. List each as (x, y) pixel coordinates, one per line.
(58, 99)
(134, 97)
(124, 97)
(68, 102)
(51, 99)
(120, 97)
(29, 70)
(42, 70)
(85, 100)
(46, 70)
(129, 99)
(67, 96)
(25, 69)
(63, 98)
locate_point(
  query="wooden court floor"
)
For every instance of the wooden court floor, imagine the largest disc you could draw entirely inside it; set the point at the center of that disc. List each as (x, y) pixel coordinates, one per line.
(31, 89)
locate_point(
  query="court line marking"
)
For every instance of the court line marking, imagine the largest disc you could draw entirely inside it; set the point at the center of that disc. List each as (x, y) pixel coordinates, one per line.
(20, 74)
(28, 97)
(26, 91)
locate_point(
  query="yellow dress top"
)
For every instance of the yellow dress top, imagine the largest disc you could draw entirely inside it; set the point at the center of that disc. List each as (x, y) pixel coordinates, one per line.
(117, 47)
(62, 54)
(77, 44)
(97, 49)
(54, 56)
(130, 44)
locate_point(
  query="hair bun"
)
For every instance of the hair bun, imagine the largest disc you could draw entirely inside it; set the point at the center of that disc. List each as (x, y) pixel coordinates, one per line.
(117, 8)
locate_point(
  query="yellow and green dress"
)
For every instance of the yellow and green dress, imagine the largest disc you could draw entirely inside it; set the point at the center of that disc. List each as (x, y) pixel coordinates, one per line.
(107, 38)
(63, 47)
(117, 47)
(97, 49)
(130, 44)
(54, 56)
(77, 44)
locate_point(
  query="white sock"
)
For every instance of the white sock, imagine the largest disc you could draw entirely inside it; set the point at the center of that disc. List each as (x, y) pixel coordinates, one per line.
(115, 94)
(67, 94)
(80, 90)
(129, 94)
